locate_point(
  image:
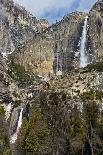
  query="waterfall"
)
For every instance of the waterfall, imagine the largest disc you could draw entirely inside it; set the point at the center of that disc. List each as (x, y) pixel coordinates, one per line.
(58, 71)
(83, 56)
(14, 136)
(57, 62)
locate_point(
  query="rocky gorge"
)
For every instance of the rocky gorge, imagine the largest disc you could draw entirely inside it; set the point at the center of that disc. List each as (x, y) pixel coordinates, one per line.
(51, 83)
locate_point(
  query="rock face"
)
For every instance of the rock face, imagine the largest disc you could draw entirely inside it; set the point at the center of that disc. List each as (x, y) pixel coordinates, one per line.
(56, 49)
(66, 49)
(3, 76)
(95, 31)
(17, 26)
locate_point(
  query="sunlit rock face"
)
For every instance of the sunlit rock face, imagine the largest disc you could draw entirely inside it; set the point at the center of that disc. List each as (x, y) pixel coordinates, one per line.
(45, 50)
(57, 49)
(17, 26)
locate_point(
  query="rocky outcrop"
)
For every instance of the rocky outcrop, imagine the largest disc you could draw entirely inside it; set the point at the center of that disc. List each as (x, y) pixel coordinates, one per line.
(75, 84)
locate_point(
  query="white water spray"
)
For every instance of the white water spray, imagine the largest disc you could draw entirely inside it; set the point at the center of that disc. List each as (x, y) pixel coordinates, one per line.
(83, 56)
(15, 135)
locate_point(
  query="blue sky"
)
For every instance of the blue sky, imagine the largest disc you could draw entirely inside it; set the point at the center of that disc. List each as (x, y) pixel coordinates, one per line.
(55, 9)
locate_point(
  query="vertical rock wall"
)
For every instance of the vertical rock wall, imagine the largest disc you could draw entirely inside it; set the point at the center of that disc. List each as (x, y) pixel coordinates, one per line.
(62, 38)
(95, 31)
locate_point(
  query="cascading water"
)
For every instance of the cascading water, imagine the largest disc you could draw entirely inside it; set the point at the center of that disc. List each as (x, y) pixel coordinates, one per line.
(83, 56)
(57, 62)
(58, 71)
(15, 135)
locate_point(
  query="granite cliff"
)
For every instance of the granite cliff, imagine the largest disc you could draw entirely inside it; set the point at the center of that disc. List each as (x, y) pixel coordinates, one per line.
(59, 41)
(63, 39)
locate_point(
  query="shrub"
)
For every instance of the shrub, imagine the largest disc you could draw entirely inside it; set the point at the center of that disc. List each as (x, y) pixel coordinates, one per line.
(17, 103)
(18, 73)
(91, 95)
(2, 111)
(97, 66)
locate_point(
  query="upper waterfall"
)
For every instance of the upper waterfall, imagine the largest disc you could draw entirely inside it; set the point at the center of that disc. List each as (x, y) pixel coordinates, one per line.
(83, 56)
(58, 70)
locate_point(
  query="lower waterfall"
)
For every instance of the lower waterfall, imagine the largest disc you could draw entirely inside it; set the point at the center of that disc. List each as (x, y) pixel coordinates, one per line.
(15, 135)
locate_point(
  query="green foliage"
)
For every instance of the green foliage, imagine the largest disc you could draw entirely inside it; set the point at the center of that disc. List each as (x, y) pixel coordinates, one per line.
(15, 94)
(99, 94)
(77, 124)
(36, 134)
(35, 143)
(87, 95)
(91, 95)
(97, 66)
(18, 73)
(91, 112)
(66, 124)
(57, 125)
(4, 140)
(17, 103)
(2, 111)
